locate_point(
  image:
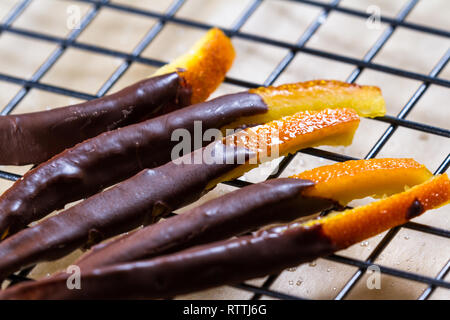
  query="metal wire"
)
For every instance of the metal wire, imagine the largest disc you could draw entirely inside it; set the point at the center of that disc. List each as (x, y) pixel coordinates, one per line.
(300, 46)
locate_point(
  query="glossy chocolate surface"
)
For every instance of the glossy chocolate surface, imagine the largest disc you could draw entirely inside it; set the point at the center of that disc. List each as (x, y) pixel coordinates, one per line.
(32, 138)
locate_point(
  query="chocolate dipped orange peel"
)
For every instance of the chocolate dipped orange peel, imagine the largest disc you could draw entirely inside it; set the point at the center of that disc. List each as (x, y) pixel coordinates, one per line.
(153, 193)
(113, 156)
(264, 252)
(273, 201)
(32, 138)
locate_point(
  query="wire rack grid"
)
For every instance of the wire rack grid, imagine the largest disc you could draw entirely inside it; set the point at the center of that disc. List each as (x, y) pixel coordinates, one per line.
(235, 31)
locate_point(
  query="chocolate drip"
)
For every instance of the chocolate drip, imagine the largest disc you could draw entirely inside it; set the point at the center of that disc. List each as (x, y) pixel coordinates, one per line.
(235, 213)
(35, 137)
(140, 199)
(198, 268)
(416, 209)
(112, 157)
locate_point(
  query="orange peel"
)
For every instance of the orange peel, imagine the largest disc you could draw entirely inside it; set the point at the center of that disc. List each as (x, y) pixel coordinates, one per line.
(356, 179)
(204, 66)
(292, 133)
(315, 95)
(354, 225)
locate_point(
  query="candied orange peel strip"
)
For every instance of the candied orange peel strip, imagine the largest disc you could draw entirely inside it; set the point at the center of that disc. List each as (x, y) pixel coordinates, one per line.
(358, 179)
(290, 134)
(354, 225)
(204, 66)
(316, 95)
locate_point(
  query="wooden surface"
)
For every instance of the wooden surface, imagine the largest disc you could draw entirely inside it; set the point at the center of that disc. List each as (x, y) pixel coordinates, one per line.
(86, 71)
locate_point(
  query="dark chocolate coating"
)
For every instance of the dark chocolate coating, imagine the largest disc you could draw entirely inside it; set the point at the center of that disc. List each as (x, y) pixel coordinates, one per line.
(32, 138)
(131, 203)
(235, 213)
(112, 157)
(416, 209)
(198, 268)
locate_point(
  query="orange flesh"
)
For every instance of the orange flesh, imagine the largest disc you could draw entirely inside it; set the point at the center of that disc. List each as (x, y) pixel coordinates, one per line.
(352, 226)
(204, 65)
(358, 179)
(315, 95)
(293, 133)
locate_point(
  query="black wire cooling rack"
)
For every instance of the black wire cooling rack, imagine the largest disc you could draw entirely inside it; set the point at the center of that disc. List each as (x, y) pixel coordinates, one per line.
(235, 31)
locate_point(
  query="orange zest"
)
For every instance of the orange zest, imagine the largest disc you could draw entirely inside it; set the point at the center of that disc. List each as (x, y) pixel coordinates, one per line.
(354, 225)
(204, 66)
(292, 133)
(315, 95)
(358, 179)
